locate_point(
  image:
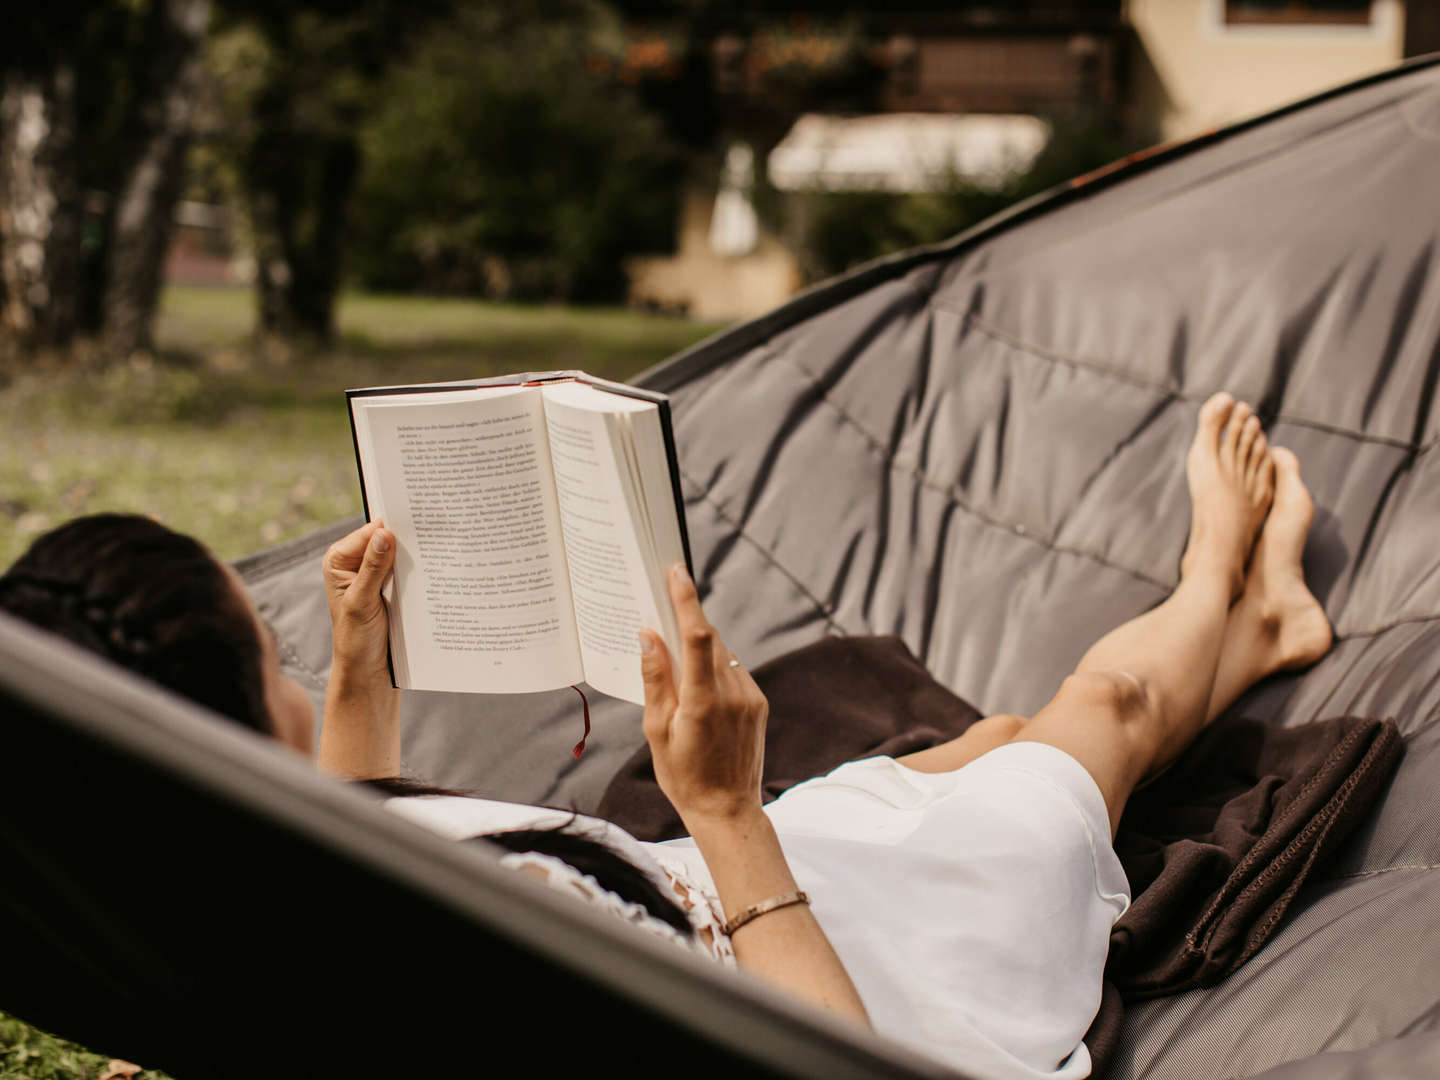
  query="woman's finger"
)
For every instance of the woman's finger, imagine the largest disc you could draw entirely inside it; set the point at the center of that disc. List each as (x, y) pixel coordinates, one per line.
(659, 680)
(697, 636)
(379, 557)
(346, 553)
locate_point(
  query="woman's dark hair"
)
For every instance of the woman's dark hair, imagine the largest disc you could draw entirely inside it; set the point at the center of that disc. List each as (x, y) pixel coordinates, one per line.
(610, 871)
(149, 599)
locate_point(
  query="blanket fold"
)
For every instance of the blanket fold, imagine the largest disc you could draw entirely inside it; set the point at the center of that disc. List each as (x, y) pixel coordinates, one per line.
(1215, 848)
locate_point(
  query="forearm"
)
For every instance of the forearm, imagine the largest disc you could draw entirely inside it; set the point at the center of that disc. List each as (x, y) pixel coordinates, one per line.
(360, 737)
(786, 947)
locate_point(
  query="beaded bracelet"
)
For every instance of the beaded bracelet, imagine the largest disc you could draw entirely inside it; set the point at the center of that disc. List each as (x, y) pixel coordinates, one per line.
(754, 911)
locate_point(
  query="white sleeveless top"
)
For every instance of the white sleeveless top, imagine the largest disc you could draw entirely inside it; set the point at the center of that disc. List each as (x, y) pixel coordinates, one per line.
(459, 817)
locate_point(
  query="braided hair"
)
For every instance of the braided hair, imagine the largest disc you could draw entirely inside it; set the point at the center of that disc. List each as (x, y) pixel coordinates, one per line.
(149, 599)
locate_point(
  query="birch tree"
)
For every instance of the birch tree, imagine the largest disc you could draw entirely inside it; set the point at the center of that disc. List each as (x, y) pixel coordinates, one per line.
(39, 204)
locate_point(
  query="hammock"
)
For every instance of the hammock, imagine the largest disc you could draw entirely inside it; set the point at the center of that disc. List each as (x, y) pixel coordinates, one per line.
(977, 447)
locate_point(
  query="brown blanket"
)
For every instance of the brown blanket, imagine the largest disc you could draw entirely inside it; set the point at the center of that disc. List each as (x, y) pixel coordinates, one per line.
(1216, 848)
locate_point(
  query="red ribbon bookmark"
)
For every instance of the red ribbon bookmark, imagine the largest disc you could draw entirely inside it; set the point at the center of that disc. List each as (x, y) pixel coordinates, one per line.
(580, 746)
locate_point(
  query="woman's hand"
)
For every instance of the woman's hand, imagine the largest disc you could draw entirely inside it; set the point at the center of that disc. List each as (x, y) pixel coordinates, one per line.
(707, 737)
(360, 737)
(355, 568)
(706, 734)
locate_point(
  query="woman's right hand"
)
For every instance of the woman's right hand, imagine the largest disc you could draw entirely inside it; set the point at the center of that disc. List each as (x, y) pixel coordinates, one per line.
(706, 732)
(707, 738)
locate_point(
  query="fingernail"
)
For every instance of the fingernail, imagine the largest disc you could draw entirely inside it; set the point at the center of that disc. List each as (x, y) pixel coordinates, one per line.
(382, 542)
(680, 574)
(647, 644)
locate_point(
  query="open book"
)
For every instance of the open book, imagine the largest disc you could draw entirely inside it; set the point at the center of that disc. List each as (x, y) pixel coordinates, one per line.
(535, 517)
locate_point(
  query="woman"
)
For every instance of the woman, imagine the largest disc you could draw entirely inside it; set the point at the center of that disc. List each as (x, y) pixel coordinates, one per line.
(962, 896)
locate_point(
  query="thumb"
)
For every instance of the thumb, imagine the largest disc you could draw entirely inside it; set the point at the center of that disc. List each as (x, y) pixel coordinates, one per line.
(364, 591)
(659, 680)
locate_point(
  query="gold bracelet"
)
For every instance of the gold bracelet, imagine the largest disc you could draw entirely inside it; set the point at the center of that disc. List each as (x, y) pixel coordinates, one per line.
(764, 907)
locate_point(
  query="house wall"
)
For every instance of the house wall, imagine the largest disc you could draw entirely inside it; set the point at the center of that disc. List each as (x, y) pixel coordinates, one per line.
(704, 285)
(1196, 73)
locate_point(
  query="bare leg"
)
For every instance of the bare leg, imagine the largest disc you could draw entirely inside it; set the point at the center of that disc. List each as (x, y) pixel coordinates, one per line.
(979, 738)
(1142, 692)
(1277, 624)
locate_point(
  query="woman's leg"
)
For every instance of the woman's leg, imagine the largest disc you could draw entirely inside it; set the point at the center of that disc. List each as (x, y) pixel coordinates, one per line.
(1277, 624)
(979, 738)
(1143, 691)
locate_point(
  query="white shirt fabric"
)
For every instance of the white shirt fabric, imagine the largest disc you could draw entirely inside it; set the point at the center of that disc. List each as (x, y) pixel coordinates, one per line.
(971, 909)
(459, 817)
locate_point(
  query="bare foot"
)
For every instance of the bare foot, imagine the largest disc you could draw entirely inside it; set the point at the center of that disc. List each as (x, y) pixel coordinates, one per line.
(1232, 482)
(1282, 623)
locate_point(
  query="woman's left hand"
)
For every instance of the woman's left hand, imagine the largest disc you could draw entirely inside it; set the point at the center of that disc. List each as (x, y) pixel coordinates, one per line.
(360, 736)
(355, 569)
(706, 734)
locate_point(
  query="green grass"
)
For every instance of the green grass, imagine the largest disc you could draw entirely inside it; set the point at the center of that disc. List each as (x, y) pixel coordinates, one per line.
(245, 445)
(30, 1053)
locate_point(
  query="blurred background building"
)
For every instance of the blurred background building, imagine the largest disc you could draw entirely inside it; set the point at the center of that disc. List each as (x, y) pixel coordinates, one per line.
(967, 97)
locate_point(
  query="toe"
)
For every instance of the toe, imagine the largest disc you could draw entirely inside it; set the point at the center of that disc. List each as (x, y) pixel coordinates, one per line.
(1264, 483)
(1245, 443)
(1256, 454)
(1286, 463)
(1230, 442)
(1213, 415)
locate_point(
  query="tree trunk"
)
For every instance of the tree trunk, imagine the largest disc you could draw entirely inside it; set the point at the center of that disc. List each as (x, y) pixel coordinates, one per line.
(144, 211)
(40, 213)
(300, 188)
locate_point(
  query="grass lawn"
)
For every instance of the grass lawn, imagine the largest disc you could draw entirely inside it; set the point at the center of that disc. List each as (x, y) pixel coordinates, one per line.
(245, 447)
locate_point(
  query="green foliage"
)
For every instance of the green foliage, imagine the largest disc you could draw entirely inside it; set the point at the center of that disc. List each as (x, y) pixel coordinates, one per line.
(844, 229)
(27, 1053)
(498, 163)
(30, 1053)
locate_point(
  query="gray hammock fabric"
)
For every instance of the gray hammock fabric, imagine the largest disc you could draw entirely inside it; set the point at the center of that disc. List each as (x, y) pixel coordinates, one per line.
(978, 447)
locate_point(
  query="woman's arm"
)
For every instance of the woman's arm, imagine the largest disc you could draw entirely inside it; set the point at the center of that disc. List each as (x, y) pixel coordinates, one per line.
(360, 737)
(707, 736)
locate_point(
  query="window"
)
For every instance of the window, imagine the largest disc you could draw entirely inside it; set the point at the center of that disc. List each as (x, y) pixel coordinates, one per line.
(1297, 12)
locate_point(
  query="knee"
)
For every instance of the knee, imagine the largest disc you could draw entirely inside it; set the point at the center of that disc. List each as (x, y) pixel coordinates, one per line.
(1123, 699)
(1001, 728)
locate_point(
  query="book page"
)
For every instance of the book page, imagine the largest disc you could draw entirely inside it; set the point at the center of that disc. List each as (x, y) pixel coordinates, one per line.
(645, 474)
(612, 582)
(481, 596)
